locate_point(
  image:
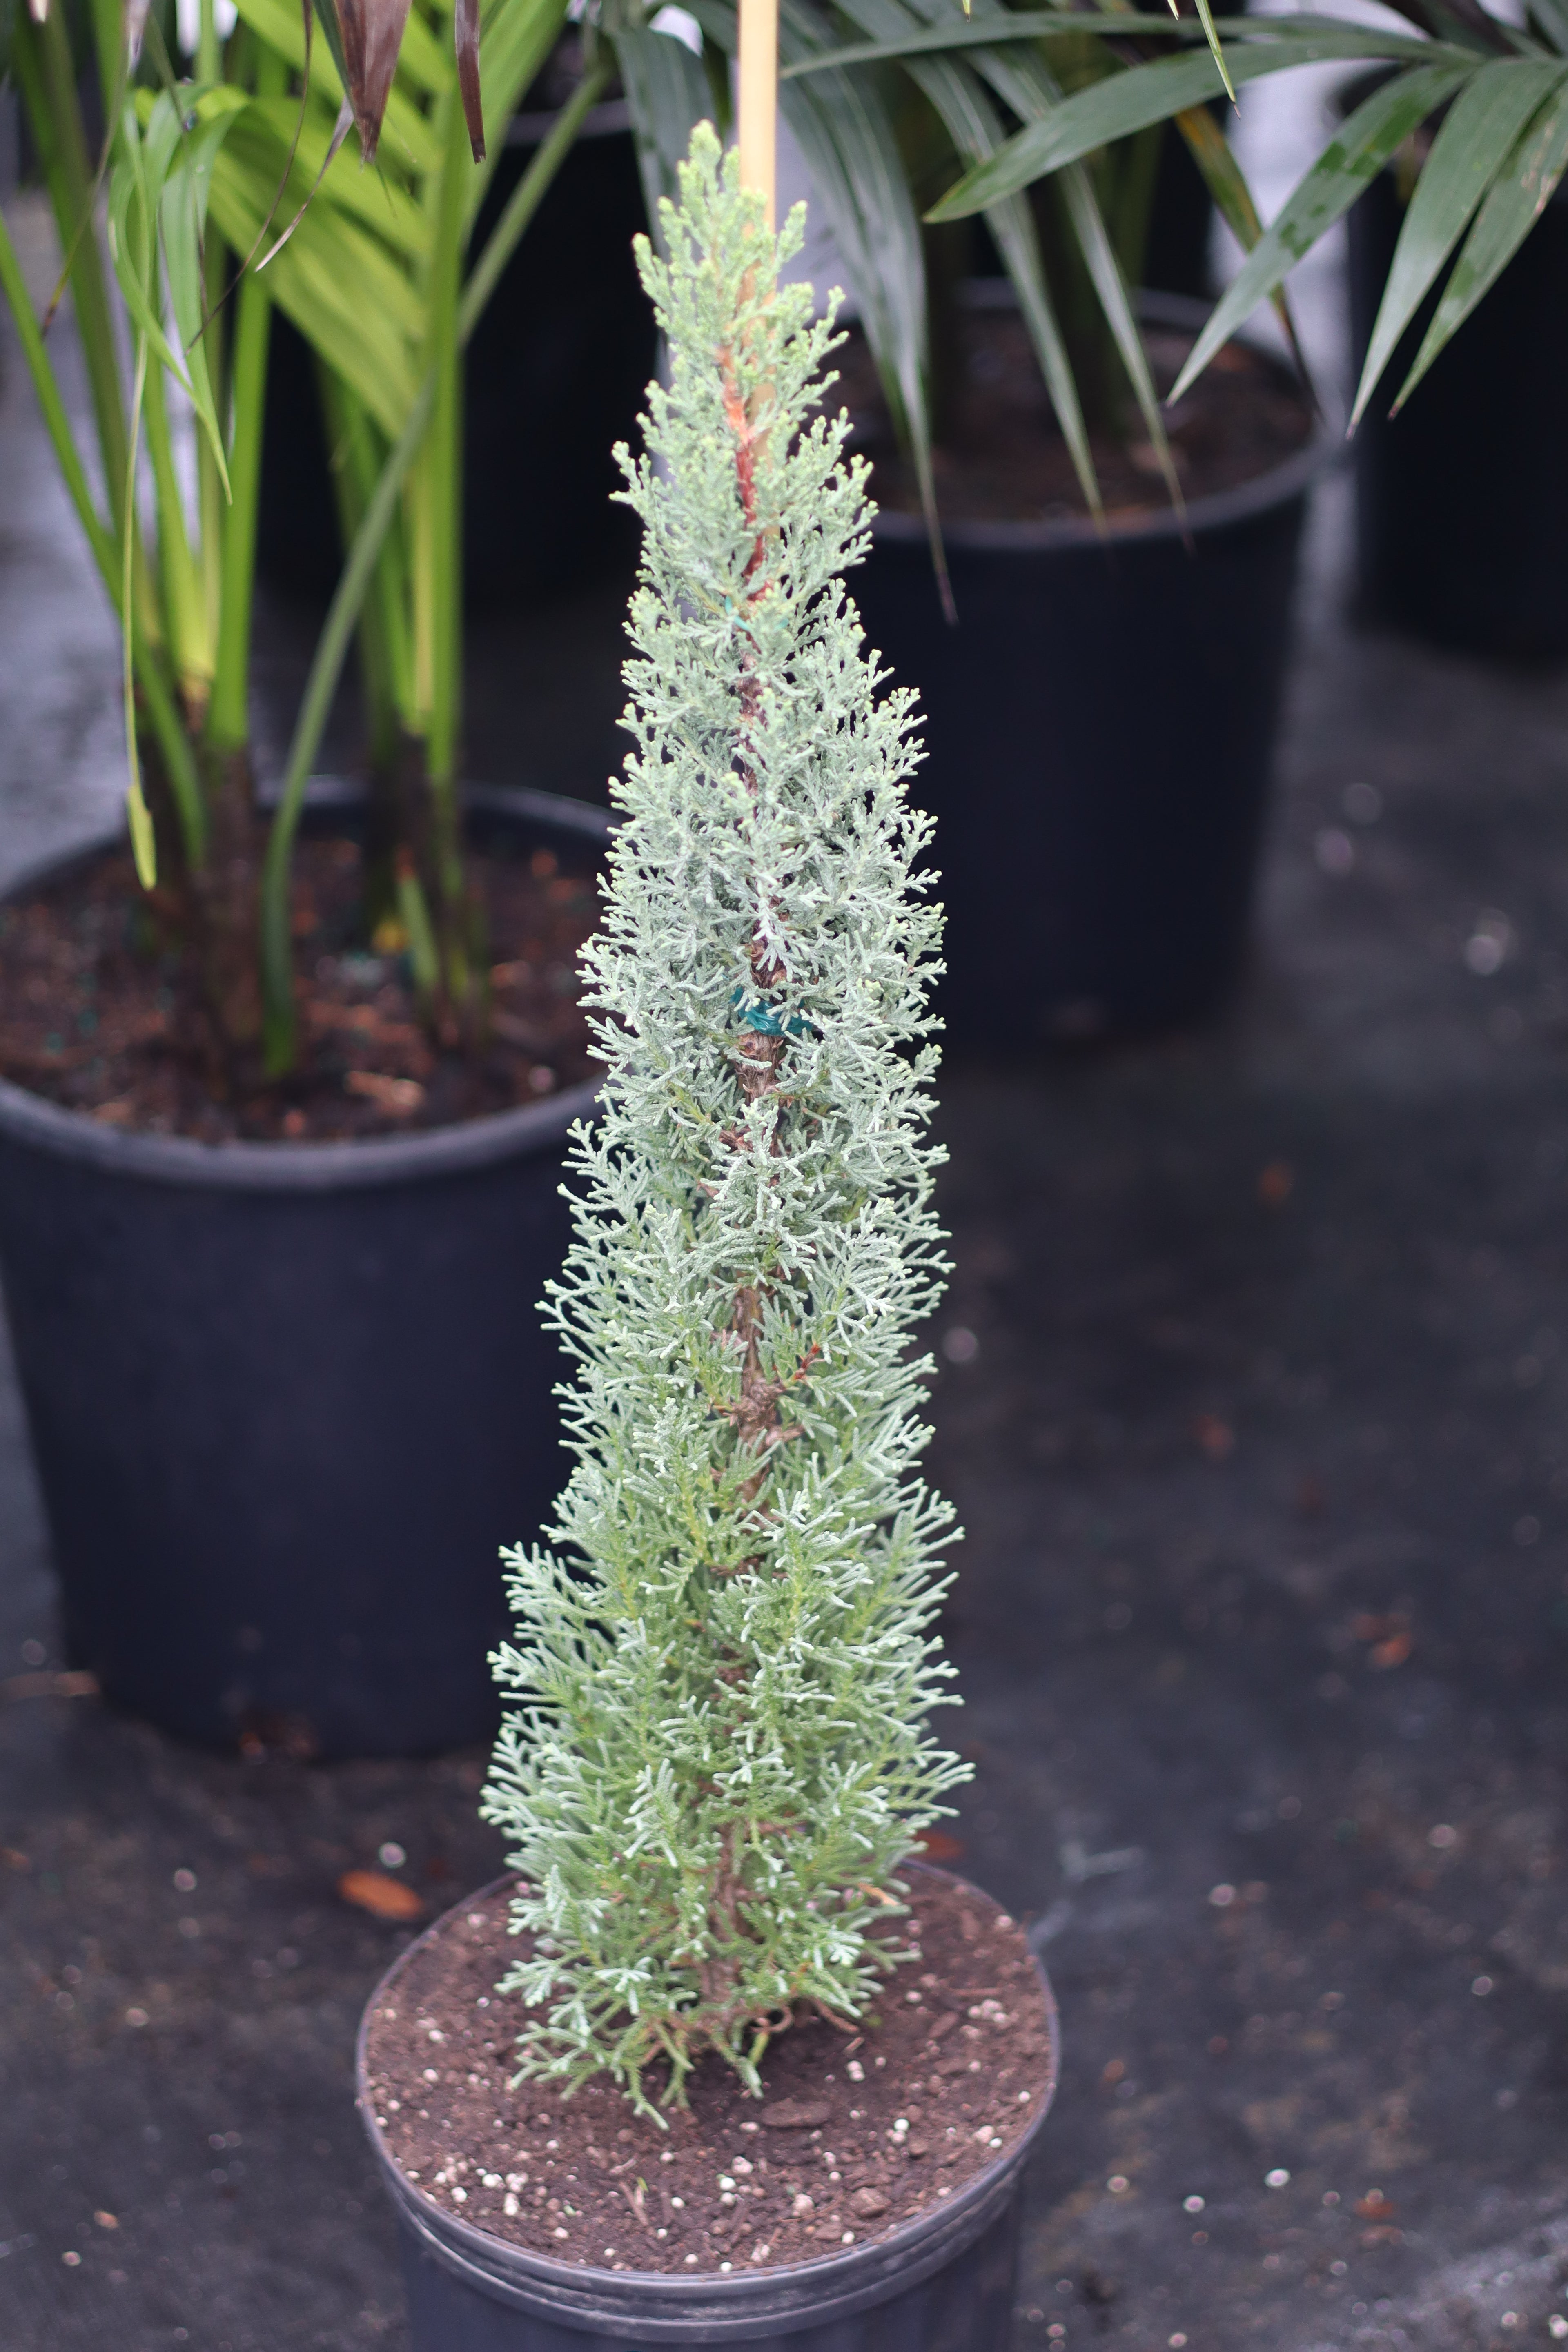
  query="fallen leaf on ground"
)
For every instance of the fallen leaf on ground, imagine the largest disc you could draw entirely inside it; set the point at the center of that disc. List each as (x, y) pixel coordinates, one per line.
(1390, 1637)
(386, 1898)
(1376, 2207)
(264, 1734)
(47, 1685)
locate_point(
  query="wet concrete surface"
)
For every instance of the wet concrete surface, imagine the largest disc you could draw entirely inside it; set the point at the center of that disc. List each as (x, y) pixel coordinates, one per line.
(1252, 1403)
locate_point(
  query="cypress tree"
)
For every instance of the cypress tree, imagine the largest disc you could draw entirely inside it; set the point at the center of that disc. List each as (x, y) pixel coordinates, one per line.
(716, 1752)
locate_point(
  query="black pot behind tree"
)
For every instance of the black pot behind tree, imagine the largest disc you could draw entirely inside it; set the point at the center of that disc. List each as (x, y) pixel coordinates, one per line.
(554, 377)
(288, 1400)
(1099, 735)
(1462, 499)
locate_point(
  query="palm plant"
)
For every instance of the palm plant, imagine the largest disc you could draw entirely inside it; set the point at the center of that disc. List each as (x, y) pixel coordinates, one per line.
(1500, 148)
(198, 170)
(181, 591)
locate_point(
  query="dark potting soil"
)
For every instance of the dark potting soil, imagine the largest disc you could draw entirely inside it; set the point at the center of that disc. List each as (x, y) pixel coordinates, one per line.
(1002, 458)
(92, 1014)
(856, 2132)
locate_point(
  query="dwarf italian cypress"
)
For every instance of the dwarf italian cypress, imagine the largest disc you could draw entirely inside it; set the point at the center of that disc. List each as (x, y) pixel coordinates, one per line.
(718, 1752)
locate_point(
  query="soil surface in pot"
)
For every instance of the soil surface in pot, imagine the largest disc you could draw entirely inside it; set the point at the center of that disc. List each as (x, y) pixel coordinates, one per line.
(92, 1014)
(1002, 459)
(856, 2133)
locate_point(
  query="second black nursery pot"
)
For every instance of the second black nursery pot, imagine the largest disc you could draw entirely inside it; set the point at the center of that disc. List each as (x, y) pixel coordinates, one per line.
(287, 1401)
(1462, 498)
(942, 2283)
(1100, 731)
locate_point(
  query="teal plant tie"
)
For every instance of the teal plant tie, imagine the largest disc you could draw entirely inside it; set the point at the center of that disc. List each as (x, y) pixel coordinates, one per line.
(770, 1024)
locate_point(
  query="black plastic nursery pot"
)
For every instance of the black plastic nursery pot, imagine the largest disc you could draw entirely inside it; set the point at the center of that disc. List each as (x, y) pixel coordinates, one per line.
(942, 2283)
(1100, 731)
(1462, 498)
(553, 378)
(287, 1401)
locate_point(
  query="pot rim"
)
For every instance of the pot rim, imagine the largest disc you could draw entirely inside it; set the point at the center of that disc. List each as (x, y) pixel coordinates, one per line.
(33, 1120)
(1324, 445)
(659, 2305)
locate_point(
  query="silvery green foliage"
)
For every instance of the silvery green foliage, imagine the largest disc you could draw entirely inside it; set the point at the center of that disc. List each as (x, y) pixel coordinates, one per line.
(718, 1753)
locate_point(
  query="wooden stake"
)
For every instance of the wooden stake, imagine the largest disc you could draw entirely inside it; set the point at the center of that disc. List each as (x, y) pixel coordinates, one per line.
(759, 99)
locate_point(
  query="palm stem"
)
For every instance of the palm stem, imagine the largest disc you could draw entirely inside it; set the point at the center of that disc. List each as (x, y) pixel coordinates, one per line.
(228, 718)
(331, 646)
(442, 461)
(386, 655)
(184, 610)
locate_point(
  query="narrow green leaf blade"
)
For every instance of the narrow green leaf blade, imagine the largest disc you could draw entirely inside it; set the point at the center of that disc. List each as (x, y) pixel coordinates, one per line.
(144, 841)
(1129, 101)
(1485, 120)
(133, 250)
(182, 217)
(1206, 20)
(1000, 28)
(975, 32)
(1514, 202)
(1348, 165)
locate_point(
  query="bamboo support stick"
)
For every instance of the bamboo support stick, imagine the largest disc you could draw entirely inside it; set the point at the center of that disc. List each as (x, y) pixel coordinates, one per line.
(759, 99)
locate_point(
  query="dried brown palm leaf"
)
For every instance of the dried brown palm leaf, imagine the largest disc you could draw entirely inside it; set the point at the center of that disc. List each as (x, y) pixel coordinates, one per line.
(371, 32)
(466, 41)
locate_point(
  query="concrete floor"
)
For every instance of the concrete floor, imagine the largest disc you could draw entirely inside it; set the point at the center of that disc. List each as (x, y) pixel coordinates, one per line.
(1266, 1340)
